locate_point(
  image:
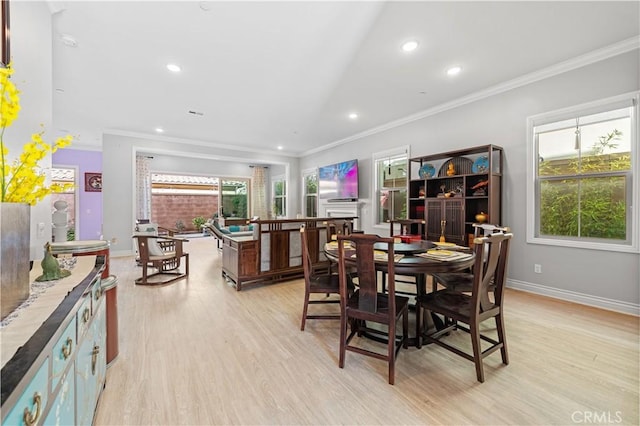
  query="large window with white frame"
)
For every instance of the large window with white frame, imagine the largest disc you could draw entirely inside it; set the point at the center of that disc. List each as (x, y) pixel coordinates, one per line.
(390, 170)
(583, 168)
(279, 199)
(310, 193)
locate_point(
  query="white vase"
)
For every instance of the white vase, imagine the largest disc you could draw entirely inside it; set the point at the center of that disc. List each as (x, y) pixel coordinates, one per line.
(15, 237)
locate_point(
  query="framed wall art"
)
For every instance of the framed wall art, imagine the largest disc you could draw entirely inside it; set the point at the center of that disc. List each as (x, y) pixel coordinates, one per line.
(93, 182)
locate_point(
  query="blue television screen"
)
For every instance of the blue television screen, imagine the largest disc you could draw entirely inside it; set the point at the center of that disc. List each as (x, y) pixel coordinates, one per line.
(339, 181)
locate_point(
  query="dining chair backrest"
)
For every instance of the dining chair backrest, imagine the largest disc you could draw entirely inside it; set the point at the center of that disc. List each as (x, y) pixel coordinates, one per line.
(337, 227)
(489, 275)
(308, 239)
(408, 227)
(362, 252)
(480, 229)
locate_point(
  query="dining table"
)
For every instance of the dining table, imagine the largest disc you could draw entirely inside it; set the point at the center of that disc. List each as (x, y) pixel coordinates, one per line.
(416, 259)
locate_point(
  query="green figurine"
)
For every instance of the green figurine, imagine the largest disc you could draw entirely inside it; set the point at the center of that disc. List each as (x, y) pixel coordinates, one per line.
(50, 267)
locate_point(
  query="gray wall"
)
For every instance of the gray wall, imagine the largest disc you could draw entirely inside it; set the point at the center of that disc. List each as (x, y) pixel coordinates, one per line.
(602, 278)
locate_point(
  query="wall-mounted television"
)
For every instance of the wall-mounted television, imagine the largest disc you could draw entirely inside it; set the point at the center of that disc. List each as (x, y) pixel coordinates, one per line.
(339, 181)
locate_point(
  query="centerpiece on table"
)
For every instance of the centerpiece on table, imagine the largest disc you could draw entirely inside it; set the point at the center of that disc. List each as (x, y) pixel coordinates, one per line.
(22, 184)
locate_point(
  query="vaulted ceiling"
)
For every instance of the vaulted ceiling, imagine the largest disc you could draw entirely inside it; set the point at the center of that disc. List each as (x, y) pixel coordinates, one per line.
(263, 75)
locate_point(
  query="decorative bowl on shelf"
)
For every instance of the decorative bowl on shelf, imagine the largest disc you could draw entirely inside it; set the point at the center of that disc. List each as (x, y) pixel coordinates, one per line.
(481, 165)
(426, 171)
(481, 217)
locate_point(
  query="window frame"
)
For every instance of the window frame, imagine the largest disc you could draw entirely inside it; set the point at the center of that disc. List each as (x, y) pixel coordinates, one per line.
(305, 195)
(391, 154)
(631, 245)
(274, 181)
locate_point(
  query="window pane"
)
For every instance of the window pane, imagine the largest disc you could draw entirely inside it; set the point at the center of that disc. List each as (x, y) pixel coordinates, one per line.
(279, 206)
(588, 207)
(557, 154)
(235, 197)
(603, 211)
(311, 209)
(558, 207)
(311, 184)
(392, 173)
(399, 204)
(606, 146)
(384, 206)
(278, 188)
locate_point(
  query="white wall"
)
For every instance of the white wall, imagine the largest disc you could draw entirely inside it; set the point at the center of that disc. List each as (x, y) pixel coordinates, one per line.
(31, 58)
(118, 175)
(595, 277)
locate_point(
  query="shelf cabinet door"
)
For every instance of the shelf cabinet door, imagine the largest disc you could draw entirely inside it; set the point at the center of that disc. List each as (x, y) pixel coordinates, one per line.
(451, 211)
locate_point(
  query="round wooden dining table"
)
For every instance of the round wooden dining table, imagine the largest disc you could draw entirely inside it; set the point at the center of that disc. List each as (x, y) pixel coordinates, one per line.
(412, 261)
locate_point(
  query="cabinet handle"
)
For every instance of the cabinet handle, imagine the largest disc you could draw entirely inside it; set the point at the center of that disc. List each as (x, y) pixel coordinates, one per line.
(67, 348)
(98, 293)
(94, 359)
(86, 314)
(29, 418)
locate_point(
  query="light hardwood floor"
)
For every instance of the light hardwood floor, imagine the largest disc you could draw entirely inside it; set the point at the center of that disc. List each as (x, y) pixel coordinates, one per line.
(198, 352)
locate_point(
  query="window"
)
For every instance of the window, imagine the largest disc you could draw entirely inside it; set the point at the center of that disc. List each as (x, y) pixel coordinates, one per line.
(234, 196)
(310, 193)
(584, 180)
(391, 185)
(279, 197)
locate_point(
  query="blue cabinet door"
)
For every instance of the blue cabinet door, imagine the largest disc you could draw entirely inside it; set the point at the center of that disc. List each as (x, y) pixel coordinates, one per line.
(62, 410)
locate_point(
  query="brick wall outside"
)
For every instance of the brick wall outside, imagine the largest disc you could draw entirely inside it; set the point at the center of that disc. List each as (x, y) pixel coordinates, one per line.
(167, 209)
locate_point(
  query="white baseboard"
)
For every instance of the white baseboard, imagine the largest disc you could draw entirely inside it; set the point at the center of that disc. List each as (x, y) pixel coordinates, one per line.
(572, 296)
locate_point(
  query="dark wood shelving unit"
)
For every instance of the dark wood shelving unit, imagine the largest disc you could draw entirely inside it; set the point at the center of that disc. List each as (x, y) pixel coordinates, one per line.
(452, 197)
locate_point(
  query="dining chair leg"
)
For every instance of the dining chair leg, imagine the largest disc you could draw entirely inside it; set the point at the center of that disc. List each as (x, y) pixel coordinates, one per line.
(304, 310)
(502, 339)
(343, 339)
(419, 327)
(391, 352)
(474, 328)
(405, 329)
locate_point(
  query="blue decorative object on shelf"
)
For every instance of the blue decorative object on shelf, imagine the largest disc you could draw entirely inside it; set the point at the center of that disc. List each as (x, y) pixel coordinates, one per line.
(481, 165)
(427, 171)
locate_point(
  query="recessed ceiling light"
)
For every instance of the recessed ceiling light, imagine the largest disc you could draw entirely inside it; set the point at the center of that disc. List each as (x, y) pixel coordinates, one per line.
(454, 70)
(410, 46)
(159, 130)
(173, 68)
(353, 116)
(280, 147)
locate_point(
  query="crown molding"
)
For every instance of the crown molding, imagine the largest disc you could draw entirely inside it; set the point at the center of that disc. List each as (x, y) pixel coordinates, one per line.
(598, 55)
(183, 141)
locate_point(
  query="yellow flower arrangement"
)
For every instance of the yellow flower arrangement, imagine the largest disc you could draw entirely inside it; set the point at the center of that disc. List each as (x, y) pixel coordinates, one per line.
(23, 181)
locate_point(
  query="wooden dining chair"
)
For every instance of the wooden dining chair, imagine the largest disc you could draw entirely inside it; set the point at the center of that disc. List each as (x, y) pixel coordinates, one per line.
(318, 279)
(408, 229)
(463, 281)
(367, 304)
(477, 307)
(337, 226)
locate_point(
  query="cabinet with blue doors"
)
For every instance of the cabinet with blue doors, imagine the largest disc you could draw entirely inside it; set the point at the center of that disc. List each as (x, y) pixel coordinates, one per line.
(57, 375)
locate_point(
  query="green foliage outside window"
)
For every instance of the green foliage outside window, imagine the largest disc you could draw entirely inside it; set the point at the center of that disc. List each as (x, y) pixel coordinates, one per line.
(591, 198)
